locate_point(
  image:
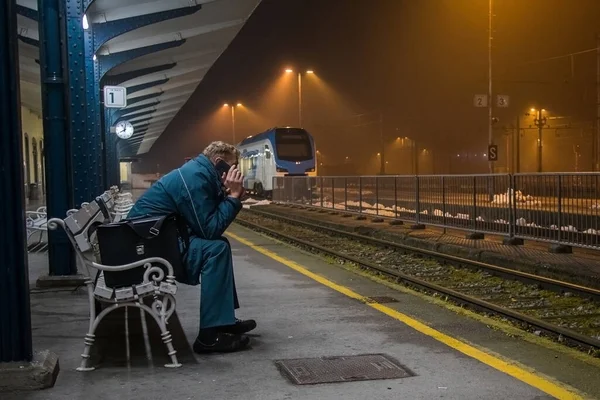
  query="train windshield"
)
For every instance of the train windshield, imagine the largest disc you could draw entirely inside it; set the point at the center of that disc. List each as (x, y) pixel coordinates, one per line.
(293, 144)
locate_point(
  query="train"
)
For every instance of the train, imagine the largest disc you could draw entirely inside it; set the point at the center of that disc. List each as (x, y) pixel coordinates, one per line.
(279, 151)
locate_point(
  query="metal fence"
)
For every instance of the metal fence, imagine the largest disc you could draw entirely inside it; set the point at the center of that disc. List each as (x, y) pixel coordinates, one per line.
(556, 208)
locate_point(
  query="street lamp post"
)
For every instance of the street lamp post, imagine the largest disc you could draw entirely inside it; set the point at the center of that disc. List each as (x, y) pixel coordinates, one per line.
(233, 118)
(490, 110)
(539, 121)
(289, 71)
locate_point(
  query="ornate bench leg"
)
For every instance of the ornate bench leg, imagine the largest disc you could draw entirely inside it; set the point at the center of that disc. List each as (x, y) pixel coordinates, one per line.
(90, 338)
(165, 335)
(85, 356)
(167, 339)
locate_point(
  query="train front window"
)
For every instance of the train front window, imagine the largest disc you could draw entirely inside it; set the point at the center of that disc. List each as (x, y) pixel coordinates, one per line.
(293, 144)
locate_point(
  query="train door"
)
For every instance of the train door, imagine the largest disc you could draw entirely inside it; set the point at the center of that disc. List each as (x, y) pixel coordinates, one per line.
(267, 169)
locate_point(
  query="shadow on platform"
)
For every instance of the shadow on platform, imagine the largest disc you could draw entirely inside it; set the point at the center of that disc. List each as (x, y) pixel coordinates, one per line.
(128, 338)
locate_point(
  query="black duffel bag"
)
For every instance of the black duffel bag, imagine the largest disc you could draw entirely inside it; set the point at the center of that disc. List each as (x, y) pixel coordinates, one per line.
(135, 239)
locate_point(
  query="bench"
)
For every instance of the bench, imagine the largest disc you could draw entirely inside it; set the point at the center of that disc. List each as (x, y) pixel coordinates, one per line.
(118, 205)
(36, 222)
(114, 204)
(156, 286)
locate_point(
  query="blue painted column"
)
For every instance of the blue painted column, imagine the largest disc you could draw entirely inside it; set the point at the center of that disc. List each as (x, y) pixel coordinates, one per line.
(94, 130)
(86, 145)
(15, 316)
(110, 146)
(114, 171)
(57, 137)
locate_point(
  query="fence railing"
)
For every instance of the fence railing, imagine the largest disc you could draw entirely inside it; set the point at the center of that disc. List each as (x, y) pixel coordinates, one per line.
(556, 208)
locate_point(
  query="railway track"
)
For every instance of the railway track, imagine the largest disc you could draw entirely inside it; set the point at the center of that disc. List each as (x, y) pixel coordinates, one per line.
(564, 311)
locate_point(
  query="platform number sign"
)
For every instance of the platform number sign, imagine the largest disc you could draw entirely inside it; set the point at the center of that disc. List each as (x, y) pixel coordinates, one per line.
(502, 100)
(480, 100)
(115, 97)
(493, 152)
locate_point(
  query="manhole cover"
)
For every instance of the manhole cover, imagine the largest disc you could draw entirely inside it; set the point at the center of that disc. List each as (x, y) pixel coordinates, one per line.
(381, 299)
(310, 371)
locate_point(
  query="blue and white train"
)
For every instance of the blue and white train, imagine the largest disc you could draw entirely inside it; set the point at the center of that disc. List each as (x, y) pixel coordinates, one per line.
(276, 152)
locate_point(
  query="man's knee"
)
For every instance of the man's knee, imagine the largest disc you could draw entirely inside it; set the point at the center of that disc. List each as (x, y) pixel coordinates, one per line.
(219, 247)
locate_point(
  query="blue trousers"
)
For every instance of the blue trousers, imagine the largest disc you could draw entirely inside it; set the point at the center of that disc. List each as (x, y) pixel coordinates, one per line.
(210, 264)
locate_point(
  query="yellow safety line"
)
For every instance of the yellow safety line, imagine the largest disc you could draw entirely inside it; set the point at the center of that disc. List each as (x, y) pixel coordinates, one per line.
(530, 378)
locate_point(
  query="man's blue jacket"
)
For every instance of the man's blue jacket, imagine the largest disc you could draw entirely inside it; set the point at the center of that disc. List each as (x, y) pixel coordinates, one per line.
(195, 192)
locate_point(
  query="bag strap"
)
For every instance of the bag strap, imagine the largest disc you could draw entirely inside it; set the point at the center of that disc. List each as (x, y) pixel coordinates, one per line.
(154, 231)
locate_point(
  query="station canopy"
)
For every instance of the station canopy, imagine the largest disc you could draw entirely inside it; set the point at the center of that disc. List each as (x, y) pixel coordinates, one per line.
(187, 47)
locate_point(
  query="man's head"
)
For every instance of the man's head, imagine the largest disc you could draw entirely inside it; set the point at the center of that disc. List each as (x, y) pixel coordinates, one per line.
(217, 151)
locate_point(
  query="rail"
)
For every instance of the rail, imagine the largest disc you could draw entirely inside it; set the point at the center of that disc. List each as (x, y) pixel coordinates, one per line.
(556, 208)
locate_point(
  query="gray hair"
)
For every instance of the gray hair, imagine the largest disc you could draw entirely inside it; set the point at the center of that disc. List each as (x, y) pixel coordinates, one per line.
(220, 149)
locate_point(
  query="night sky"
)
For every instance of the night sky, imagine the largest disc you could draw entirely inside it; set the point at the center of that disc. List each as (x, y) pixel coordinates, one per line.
(417, 62)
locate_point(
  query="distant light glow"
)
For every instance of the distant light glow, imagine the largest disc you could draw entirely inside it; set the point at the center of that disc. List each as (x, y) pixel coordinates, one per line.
(310, 71)
(532, 110)
(378, 154)
(289, 70)
(239, 104)
(225, 105)
(485, 154)
(85, 23)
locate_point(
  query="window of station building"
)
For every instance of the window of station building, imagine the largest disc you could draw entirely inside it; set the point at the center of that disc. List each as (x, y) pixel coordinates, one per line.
(27, 160)
(34, 153)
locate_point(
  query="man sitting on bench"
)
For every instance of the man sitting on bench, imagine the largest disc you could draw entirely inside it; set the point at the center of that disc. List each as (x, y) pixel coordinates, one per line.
(206, 192)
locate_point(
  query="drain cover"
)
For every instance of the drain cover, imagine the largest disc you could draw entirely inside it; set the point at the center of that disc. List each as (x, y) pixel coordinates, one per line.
(310, 371)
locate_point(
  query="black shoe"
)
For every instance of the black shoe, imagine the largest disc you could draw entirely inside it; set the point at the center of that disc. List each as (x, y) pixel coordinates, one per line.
(239, 327)
(222, 343)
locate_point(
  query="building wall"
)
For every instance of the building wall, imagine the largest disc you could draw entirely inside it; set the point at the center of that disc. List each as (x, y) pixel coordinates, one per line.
(33, 146)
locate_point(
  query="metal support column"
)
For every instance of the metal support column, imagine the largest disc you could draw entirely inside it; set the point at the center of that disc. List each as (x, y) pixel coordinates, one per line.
(597, 131)
(15, 316)
(57, 138)
(111, 150)
(518, 145)
(92, 94)
(87, 173)
(382, 145)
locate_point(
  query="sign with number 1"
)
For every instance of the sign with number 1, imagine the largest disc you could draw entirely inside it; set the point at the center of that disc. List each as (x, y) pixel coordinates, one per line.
(115, 97)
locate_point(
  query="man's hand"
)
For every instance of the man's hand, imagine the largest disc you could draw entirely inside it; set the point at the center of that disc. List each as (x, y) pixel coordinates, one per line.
(234, 182)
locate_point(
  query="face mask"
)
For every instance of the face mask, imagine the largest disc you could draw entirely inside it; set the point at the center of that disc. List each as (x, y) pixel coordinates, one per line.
(222, 167)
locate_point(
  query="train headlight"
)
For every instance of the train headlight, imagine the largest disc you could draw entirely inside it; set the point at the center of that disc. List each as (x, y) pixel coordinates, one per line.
(310, 170)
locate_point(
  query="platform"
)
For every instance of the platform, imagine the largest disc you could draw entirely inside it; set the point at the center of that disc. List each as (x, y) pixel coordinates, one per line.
(306, 307)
